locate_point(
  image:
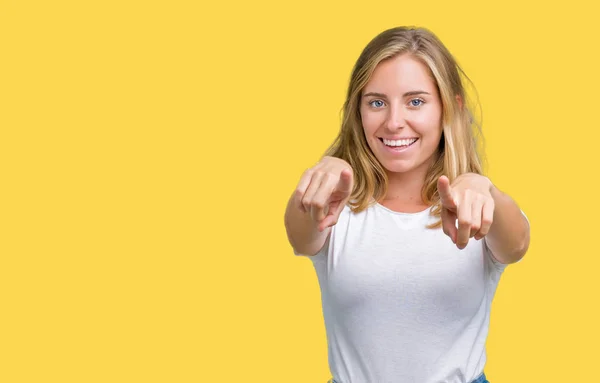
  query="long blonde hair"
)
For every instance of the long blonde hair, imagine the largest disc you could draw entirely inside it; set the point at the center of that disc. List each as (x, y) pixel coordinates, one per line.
(457, 152)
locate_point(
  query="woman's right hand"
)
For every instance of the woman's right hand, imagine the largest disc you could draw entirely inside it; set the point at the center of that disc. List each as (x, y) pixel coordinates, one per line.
(324, 190)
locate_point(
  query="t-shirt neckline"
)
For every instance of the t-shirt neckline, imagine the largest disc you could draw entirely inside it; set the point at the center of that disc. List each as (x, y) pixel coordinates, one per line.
(416, 214)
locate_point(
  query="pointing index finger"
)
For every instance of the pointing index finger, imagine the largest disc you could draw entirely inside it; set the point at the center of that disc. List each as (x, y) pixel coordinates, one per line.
(345, 183)
(445, 191)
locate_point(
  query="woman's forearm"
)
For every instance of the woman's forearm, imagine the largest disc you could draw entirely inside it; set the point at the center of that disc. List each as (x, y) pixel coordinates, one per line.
(508, 238)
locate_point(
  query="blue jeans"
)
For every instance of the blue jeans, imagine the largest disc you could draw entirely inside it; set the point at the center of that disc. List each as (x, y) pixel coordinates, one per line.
(480, 379)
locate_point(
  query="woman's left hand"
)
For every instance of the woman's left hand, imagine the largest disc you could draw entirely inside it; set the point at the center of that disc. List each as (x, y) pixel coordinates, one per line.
(468, 200)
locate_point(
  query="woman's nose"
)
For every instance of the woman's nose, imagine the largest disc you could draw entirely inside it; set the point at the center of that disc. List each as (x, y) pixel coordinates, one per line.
(396, 118)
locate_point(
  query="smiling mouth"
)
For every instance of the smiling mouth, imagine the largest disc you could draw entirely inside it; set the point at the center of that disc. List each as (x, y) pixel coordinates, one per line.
(398, 144)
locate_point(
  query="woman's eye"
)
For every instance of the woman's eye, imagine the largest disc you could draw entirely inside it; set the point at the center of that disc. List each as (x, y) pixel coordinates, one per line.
(377, 103)
(416, 102)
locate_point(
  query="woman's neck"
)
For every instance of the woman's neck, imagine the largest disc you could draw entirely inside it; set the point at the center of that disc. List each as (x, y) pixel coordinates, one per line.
(404, 193)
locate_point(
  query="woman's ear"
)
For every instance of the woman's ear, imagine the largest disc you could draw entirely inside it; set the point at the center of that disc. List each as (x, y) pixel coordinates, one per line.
(459, 100)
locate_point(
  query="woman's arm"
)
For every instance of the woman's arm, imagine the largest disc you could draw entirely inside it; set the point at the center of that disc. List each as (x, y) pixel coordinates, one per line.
(302, 230)
(483, 211)
(508, 238)
(317, 203)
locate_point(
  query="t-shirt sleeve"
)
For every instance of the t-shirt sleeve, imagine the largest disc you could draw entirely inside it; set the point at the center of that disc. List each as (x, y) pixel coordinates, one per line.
(497, 265)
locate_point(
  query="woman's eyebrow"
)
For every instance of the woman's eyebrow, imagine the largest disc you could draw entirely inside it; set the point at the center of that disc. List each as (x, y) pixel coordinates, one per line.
(411, 93)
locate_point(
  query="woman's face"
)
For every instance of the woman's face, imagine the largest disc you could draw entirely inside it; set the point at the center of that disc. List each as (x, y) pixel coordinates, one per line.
(401, 114)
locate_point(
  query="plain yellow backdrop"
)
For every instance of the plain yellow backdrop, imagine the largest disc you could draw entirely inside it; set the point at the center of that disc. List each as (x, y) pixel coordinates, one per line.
(148, 149)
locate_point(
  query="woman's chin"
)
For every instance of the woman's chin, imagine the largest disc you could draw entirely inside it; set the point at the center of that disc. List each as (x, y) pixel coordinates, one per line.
(395, 168)
(405, 165)
(399, 167)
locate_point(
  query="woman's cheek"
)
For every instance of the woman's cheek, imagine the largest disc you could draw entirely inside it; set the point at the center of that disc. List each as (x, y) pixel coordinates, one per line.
(370, 122)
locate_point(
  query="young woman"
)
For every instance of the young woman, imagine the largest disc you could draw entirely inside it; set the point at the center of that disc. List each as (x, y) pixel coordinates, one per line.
(407, 237)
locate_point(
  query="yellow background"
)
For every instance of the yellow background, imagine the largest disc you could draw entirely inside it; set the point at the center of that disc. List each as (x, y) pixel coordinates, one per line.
(148, 150)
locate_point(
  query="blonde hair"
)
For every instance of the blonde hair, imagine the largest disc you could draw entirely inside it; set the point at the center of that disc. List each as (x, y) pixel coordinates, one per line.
(457, 152)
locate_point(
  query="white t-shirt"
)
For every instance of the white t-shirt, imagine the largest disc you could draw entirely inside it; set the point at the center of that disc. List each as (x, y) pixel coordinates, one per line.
(401, 303)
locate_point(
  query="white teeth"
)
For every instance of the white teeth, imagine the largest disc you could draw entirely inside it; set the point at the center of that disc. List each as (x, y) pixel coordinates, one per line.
(405, 142)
